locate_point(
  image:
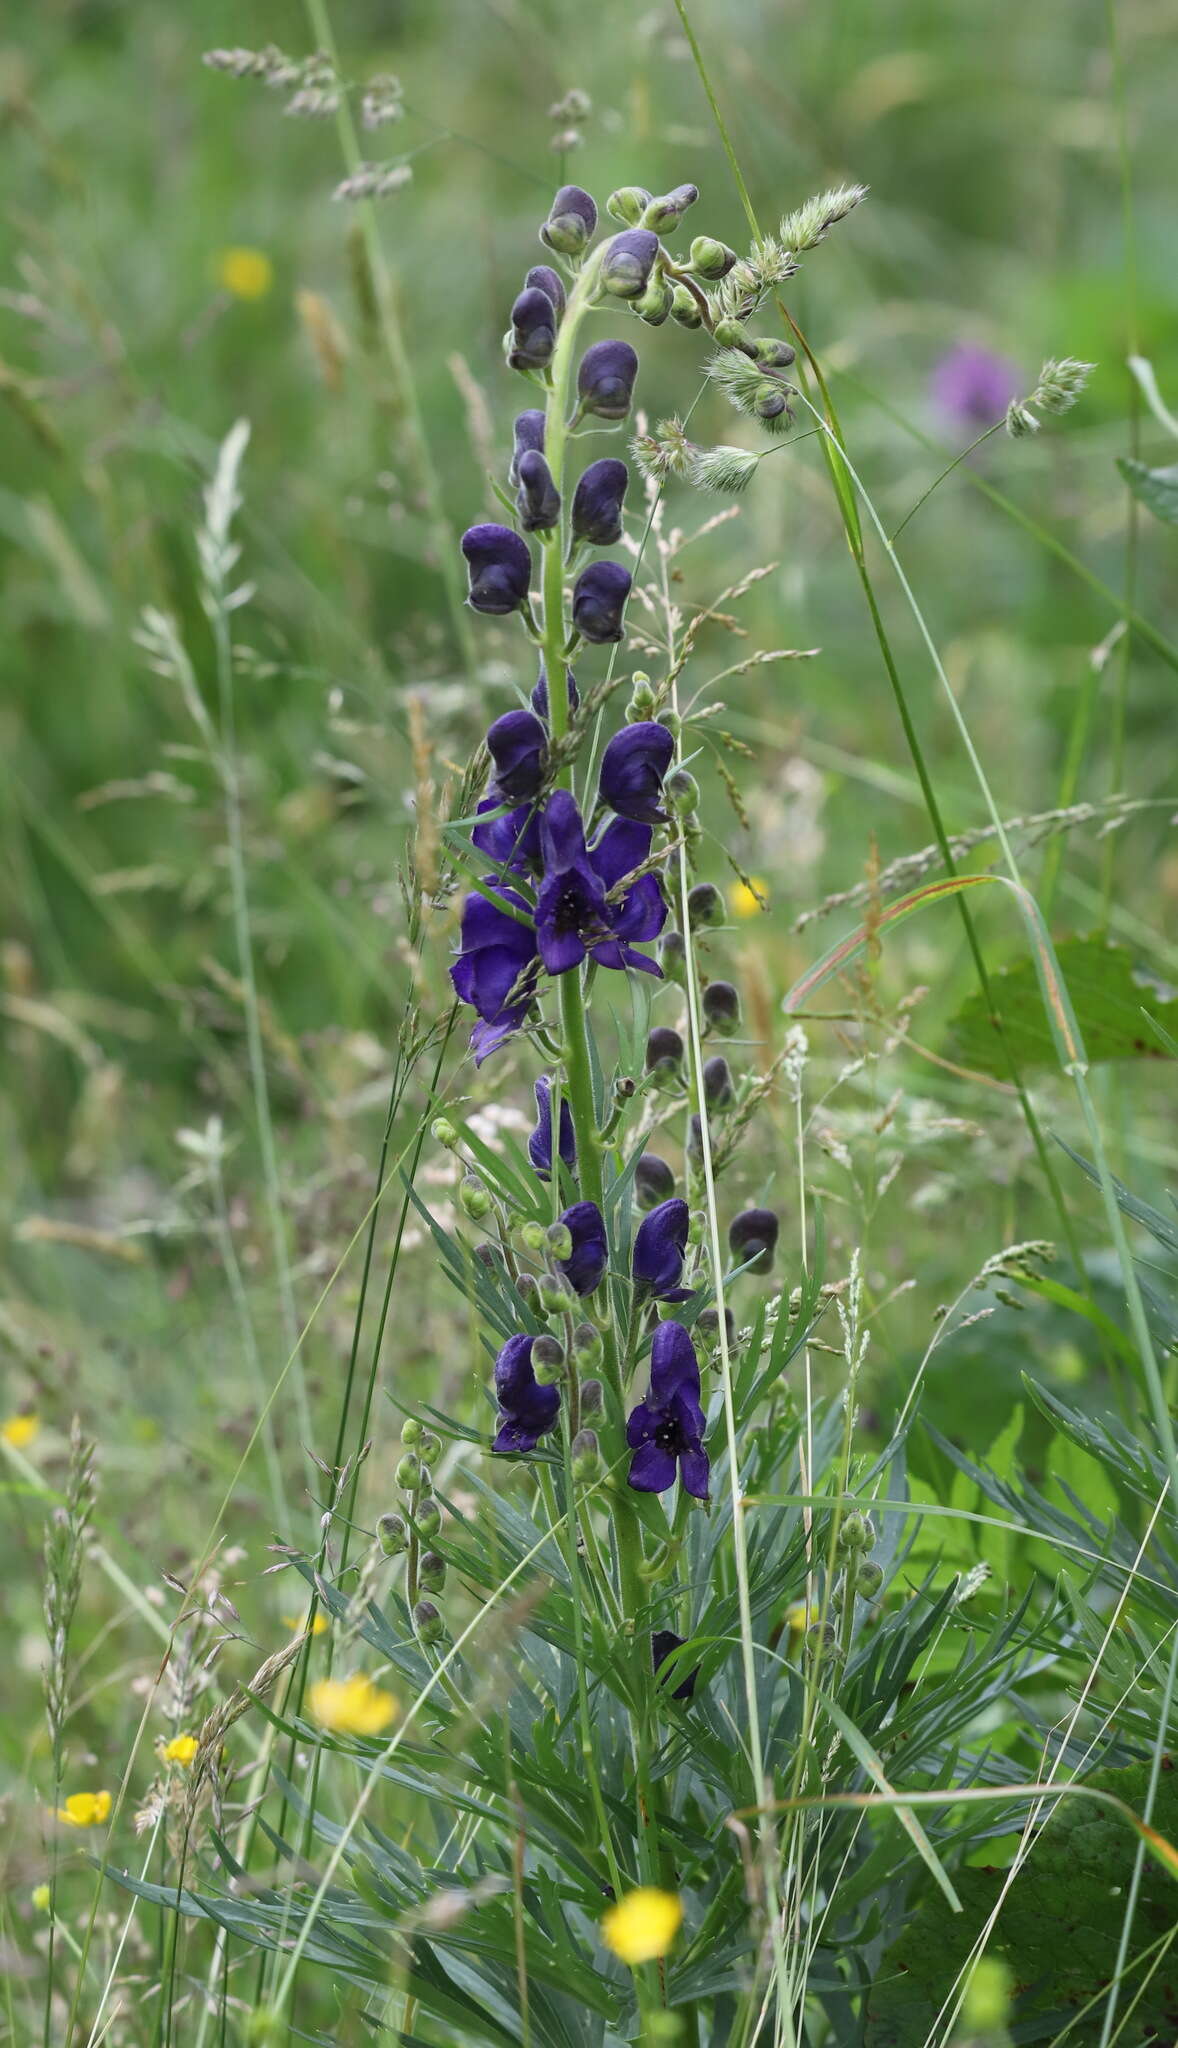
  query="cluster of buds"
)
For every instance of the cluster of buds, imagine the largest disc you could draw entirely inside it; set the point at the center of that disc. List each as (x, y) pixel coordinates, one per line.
(410, 1532)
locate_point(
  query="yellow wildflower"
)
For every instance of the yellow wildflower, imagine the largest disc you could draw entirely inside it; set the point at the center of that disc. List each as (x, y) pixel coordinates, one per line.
(19, 1430)
(180, 1750)
(42, 1897)
(799, 1617)
(643, 1924)
(85, 1809)
(745, 900)
(297, 1622)
(351, 1706)
(247, 273)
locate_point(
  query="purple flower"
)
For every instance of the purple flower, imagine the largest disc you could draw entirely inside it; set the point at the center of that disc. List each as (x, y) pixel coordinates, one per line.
(500, 568)
(605, 379)
(495, 971)
(533, 331)
(518, 745)
(660, 1244)
(528, 433)
(752, 1236)
(632, 770)
(537, 499)
(972, 386)
(526, 1409)
(628, 262)
(597, 502)
(663, 1643)
(572, 218)
(540, 693)
(573, 913)
(599, 601)
(665, 1432)
(511, 840)
(540, 1142)
(585, 1266)
(543, 279)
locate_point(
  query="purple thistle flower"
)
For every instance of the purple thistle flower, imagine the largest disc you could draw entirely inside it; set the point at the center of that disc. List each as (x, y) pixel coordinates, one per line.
(500, 568)
(663, 1643)
(660, 1245)
(537, 499)
(597, 502)
(540, 692)
(511, 840)
(605, 379)
(972, 387)
(518, 745)
(533, 331)
(526, 1409)
(540, 1141)
(665, 1432)
(495, 971)
(573, 913)
(585, 1266)
(599, 601)
(572, 218)
(628, 262)
(542, 278)
(528, 433)
(632, 770)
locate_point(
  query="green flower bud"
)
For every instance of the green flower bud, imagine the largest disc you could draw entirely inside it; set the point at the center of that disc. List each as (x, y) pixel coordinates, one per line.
(682, 791)
(428, 1622)
(392, 1535)
(547, 1361)
(655, 304)
(559, 1240)
(588, 1349)
(732, 334)
(475, 1199)
(711, 259)
(776, 355)
(557, 1295)
(705, 906)
(429, 1449)
(642, 700)
(822, 1637)
(528, 1289)
(664, 214)
(428, 1516)
(266, 2028)
(586, 1455)
(628, 204)
(672, 721)
(412, 1432)
(721, 1008)
(868, 1579)
(592, 1397)
(533, 1236)
(853, 1532)
(685, 307)
(628, 262)
(770, 402)
(572, 218)
(673, 958)
(431, 1572)
(443, 1132)
(707, 1323)
(410, 1474)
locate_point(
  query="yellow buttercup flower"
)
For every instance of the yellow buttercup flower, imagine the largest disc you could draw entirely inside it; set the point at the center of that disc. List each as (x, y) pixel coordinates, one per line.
(19, 1430)
(42, 1897)
(643, 1924)
(85, 1809)
(180, 1750)
(247, 273)
(351, 1706)
(297, 1622)
(744, 901)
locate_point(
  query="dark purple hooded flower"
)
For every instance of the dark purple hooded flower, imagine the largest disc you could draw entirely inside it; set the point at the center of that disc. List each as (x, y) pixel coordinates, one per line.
(599, 601)
(540, 1142)
(542, 278)
(500, 568)
(632, 770)
(972, 386)
(628, 262)
(511, 840)
(533, 331)
(574, 915)
(540, 693)
(518, 745)
(585, 1266)
(665, 1432)
(663, 1643)
(597, 502)
(660, 1245)
(605, 379)
(526, 1409)
(537, 499)
(528, 433)
(496, 970)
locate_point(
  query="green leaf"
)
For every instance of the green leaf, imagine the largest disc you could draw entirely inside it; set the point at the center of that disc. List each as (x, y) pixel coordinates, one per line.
(1114, 1003)
(1157, 489)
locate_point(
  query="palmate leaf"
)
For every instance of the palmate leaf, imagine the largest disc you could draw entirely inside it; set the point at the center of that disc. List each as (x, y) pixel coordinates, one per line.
(1058, 1931)
(1114, 1005)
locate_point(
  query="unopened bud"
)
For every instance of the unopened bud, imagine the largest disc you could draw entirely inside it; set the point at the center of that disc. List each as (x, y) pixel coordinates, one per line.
(708, 1325)
(711, 259)
(654, 1181)
(752, 1239)
(392, 1535)
(528, 1289)
(731, 334)
(475, 1199)
(673, 958)
(443, 1132)
(718, 1089)
(428, 1622)
(853, 1532)
(559, 1240)
(655, 304)
(547, 1360)
(429, 1449)
(628, 204)
(572, 217)
(682, 791)
(586, 1455)
(588, 1348)
(533, 1236)
(695, 1141)
(488, 1254)
(664, 1056)
(672, 723)
(664, 214)
(592, 1397)
(627, 263)
(822, 1637)
(721, 1008)
(685, 307)
(705, 906)
(642, 700)
(428, 1516)
(412, 1432)
(868, 1579)
(776, 355)
(431, 1572)
(769, 402)
(557, 1295)
(410, 1474)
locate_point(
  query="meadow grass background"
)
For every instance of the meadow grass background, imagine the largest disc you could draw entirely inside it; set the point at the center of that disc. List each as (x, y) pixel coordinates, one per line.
(1020, 200)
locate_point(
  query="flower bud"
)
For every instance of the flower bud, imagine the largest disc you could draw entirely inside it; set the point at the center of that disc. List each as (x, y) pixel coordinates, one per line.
(731, 334)
(642, 700)
(542, 278)
(707, 1324)
(488, 1254)
(685, 307)
(769, 402)
(558, 1239)
(500, 569)
(705, 906)
(410, 1474)
(572, 218)
(392, 1535)
(721, 1008)
(628, 204)
(753, 1236)
(531, 338)
(654, 1181)
(671, 722)
(694, 1146)
(588, 1351)
(663, 215)
(586, 1455)
(428, 1516)
(557, 1295)
(822, 1637)
(719, 1092)
(428, 1622)
(431, 1572)
(664, 1055)
(540, 693)
(443, 1132)
(429, 1449)
(654, 306)
(518, 744)
(592, 1397)
(632, 770)
(537, 499)
(853, 1531)
(628, 262)
(528, 1289)
(605, 379)
(474, 1198)
(597, 503)
(776, 355)
(869, 1579)
(683, 791)
(599, 602)
(711, 259)
(673, 958)
(533, 1236)
(412, 1432)
(528, 433)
